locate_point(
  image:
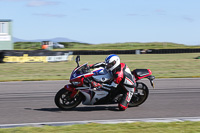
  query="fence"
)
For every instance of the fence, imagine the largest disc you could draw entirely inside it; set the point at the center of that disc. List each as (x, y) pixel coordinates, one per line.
(51, 56)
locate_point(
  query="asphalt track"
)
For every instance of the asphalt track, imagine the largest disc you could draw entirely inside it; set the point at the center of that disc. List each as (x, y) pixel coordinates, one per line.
(33, 102)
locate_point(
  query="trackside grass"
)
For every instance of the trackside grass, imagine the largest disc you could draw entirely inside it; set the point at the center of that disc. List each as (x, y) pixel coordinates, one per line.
(162, 66)
(139, 127)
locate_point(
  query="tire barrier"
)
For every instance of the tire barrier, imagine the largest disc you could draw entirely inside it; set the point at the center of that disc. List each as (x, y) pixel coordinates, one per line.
(1, 56)
(171, 51)
(103, 52)
(140, 51)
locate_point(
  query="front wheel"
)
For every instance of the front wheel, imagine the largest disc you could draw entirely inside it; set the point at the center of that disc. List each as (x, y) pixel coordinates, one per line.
(140, 95)
(65, 102)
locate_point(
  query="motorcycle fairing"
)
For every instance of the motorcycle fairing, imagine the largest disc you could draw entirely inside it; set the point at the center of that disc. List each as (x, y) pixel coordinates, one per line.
(79, 80)
(79, 74)
(93, 96)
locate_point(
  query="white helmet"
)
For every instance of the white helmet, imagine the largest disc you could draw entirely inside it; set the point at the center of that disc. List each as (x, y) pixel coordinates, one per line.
(112, 61)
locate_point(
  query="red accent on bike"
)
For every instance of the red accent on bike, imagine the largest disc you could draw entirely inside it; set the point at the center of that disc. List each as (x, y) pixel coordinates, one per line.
(79, 80)
(138, 77)
(91, 65)
(129, 80)
(88, 75)
(71, 88)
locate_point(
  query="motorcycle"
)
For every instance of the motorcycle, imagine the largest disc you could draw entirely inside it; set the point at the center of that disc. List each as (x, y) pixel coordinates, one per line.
(71, 95)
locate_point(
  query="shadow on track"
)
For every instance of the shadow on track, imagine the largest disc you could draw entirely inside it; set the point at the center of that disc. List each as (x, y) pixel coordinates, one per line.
(81, 109)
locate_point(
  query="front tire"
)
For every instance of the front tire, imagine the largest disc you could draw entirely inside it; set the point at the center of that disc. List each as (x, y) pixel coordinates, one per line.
(63, 100)
(140, 95)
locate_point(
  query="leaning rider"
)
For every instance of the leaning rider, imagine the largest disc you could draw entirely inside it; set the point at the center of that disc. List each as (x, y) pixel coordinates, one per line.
(123, 78)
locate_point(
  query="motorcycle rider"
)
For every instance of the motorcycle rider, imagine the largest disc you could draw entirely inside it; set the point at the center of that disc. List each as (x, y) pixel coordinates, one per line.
(122, 76)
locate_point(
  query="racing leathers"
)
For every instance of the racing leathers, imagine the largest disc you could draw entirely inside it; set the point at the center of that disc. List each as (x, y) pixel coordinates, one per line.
(124, 80)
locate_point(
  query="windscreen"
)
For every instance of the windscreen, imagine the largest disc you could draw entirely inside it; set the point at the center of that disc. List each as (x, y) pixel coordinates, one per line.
(80, 71)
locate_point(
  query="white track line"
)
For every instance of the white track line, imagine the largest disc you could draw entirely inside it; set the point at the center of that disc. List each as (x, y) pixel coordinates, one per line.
(114, 121)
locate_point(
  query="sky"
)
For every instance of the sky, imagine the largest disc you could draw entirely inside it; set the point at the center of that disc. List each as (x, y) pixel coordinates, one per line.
(105, 21)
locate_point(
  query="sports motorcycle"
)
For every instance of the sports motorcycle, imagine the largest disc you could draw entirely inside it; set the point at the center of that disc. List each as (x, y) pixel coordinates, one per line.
(71, 95)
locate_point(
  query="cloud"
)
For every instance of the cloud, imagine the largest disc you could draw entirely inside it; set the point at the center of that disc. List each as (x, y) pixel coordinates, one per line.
(36, 3)
(12, 0)
(85, 9)
(132, 14)
(137, 15)
(160, 11)
(189, 19)
(50, 15)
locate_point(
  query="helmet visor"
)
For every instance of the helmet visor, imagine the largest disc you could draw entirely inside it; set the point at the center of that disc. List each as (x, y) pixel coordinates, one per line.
(109, 65)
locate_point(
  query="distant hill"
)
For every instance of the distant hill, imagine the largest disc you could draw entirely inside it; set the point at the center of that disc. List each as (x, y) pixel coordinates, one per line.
(57, 39)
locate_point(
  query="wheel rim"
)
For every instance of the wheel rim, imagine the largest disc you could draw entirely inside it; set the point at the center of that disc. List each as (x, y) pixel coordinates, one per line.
(140, 95)
(66, 101)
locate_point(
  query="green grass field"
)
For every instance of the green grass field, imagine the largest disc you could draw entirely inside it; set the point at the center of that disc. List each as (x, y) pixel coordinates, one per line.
(162, 66)
(137, 127)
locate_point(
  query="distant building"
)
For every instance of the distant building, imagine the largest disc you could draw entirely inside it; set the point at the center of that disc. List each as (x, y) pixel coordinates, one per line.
(6, 34)
(49, 45)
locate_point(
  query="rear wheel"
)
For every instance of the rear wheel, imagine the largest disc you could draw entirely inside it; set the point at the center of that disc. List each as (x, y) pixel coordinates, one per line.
(65, 102)
(140, 95)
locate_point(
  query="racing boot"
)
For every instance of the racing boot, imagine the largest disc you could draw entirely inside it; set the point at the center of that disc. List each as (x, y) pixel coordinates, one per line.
(123, 104)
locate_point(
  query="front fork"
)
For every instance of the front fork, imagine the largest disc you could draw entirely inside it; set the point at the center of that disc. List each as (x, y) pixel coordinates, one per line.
(72, 89)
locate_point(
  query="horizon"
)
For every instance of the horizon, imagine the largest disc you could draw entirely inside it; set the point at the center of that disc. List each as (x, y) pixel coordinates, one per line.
(52, 39)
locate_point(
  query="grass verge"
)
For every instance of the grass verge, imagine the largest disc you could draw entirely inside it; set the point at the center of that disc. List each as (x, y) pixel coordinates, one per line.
(172, 127)
(162, 66)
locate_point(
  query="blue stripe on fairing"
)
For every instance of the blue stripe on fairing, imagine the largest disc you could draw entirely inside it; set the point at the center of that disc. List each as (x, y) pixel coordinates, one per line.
(97, 72)
(108, 58)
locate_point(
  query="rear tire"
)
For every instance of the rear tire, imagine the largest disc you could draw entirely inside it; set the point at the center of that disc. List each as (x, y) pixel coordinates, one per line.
(63, 100)
(140, 95)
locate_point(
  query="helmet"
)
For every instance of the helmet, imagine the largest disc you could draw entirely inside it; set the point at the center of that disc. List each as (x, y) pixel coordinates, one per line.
(112, 61)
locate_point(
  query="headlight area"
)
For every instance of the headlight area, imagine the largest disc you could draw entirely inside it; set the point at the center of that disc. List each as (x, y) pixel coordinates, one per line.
(76, 83)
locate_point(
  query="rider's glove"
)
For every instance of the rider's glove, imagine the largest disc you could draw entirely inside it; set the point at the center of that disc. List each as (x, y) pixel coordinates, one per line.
(96, 85)
(100, 64)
